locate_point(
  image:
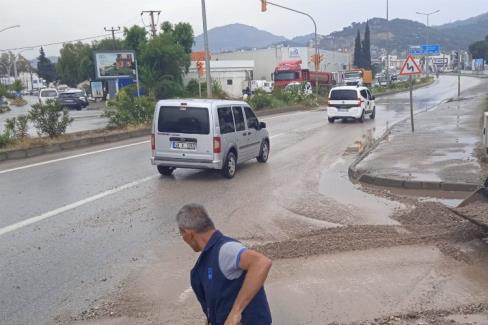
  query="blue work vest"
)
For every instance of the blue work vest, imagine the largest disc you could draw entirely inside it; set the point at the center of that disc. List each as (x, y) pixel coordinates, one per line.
(217, 294)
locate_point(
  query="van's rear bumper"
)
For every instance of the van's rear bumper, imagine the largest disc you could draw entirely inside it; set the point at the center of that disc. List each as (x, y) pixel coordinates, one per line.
(187, 163)
(354, 112)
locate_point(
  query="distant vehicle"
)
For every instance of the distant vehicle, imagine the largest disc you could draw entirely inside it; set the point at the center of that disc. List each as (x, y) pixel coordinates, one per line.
(73, 98)
(291, 71)
(264, 85)
(206, 134)
(47, 94)
(350, 102)
(302, 87)
(62, 88)
(358, 77)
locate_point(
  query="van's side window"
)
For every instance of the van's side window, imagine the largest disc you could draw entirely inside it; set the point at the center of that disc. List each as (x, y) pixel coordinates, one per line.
(252, 121)
(364, 94)
(239, 118)
(225, 120)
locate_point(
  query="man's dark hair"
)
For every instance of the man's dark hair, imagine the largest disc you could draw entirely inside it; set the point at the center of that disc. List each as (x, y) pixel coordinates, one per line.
(194, 217)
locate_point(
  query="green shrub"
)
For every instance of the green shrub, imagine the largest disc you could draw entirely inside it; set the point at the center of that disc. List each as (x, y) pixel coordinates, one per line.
(127, 109)
(260, 100)
(49, 119)
(5, 139)
(18, 126)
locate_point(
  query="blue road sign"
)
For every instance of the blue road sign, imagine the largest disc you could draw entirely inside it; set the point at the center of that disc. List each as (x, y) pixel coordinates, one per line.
(431, 49)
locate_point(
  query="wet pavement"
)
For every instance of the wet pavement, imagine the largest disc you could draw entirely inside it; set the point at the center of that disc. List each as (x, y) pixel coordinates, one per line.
(442, 149)
(107, 250)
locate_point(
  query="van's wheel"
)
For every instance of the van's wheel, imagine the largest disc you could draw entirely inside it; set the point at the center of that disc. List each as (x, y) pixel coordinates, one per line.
(166, 171)
(229, 167)
(331, 120)
(361, 119)
(264, 152)
(373, 114)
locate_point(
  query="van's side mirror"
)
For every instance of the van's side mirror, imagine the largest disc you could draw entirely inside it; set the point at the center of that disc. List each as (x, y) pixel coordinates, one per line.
(373, 97)
(262, 125)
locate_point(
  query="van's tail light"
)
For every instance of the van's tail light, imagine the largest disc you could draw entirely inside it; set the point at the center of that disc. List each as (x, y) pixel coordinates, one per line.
(217, 145)
(360, 101)
(153, 142)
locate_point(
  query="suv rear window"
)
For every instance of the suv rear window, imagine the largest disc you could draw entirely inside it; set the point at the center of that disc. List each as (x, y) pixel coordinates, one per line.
(189, 120)
(48, 93)
(343, 95)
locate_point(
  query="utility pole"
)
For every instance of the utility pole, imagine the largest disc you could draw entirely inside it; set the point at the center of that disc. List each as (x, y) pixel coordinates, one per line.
(459, 73)
(153, 25)
(113, 30)
(207, 53)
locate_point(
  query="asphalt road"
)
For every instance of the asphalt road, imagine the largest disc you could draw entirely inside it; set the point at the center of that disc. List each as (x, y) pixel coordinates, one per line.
(74, 225)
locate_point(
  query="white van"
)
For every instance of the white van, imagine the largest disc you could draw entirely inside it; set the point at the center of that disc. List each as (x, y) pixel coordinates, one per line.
(206, 134)
(47, 94)
(351, 102)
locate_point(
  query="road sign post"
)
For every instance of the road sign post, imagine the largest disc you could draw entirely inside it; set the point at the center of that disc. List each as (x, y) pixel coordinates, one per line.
(410, 68)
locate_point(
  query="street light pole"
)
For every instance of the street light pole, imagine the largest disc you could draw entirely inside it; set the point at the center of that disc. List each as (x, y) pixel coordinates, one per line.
(316, 56)
(207, 53)
(427, 14)
(387, 75)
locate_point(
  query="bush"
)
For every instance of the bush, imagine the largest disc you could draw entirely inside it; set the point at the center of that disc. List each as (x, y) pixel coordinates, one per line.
(128, 109)
(260, 100)
(50, 119)
(5, 139)
(18, 126)
(191, 90)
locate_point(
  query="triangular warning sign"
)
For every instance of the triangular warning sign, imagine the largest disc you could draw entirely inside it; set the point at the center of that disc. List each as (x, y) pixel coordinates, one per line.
(410, 67)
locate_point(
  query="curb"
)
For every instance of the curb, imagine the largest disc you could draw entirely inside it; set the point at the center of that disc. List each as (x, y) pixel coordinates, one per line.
(418, 185)
(72, 144)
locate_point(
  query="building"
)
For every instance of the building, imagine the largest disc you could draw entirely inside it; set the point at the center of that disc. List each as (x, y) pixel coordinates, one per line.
(267, 59)
(233, 75)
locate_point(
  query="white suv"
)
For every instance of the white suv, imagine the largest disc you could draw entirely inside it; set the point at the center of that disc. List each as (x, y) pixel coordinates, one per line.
(354, 102)
(206, 134)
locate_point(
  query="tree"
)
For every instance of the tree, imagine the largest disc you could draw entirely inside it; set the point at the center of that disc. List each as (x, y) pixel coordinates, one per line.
(162, 63)
(182, 33)
(7, 63)
(366, 49)
(135, 38)
(479, 49)
(75, 63)
(357, 51)
(17, 86)
(45, 68)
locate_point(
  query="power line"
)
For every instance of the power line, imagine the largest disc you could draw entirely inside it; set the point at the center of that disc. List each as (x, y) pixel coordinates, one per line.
(58, 43)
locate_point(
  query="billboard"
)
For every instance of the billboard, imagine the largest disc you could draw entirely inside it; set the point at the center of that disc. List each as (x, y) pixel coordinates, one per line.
(114, 65)
(96, 89)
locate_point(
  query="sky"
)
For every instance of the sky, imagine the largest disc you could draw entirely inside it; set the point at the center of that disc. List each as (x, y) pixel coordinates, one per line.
(50, 21)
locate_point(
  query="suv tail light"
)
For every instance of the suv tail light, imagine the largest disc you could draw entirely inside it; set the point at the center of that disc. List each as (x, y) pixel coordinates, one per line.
(360, 101)
(153, 142)
(217, 145)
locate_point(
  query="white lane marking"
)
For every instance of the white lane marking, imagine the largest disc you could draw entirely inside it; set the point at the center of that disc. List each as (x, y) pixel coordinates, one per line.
(264, 118)
(72, 206)
(72, 157)
(277, 135)
(185, 295)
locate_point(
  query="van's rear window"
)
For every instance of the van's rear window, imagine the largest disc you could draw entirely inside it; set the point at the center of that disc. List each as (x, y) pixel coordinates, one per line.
(189, 120)
(343, 95)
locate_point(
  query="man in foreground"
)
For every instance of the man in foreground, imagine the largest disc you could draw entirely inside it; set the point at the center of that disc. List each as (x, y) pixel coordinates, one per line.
(227, 278)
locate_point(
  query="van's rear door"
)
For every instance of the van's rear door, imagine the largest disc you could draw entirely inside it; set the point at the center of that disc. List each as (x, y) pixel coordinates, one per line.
(343, 99)
(184, 133)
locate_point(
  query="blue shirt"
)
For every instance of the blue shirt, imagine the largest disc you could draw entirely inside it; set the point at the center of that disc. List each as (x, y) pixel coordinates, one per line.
(217, 279)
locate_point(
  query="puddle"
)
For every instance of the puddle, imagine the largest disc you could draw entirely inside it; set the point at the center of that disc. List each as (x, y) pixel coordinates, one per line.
(368, 209)
(452, 203)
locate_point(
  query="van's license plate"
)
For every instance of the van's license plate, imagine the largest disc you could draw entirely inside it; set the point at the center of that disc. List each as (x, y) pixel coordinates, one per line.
(185, 145)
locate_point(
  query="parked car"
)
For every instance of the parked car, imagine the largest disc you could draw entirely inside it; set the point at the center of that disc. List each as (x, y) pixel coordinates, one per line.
(73, 98)
(47, 94)
(350, 102)
(303, 87)
(206, 134)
